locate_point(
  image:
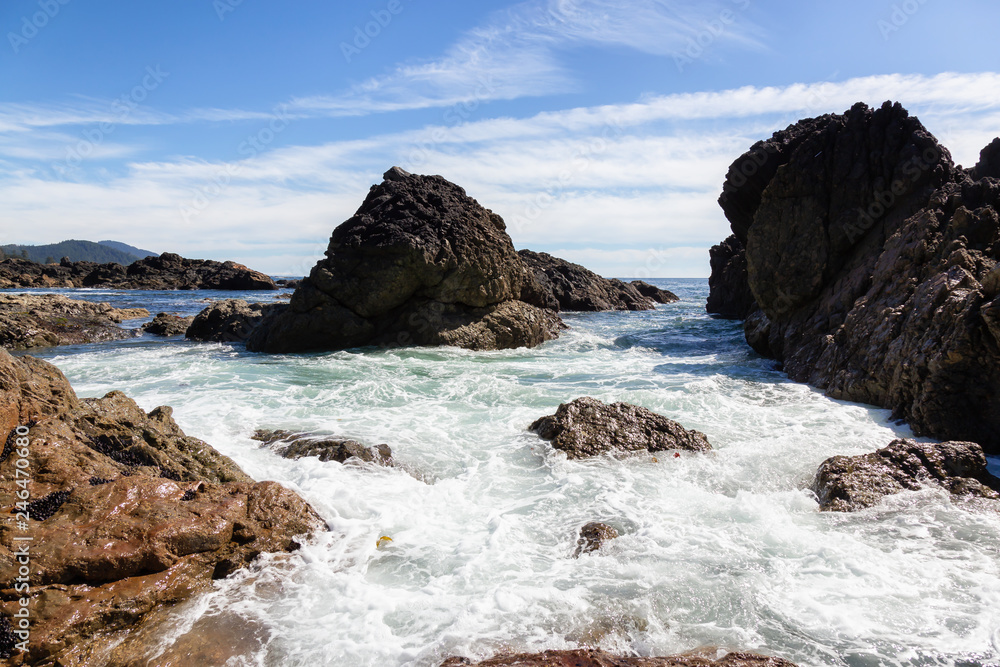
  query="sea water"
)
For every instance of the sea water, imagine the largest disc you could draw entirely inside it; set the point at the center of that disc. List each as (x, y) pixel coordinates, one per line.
(719, 551)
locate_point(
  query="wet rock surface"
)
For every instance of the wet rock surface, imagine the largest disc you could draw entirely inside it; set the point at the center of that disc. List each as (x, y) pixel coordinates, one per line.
(29, 321)
(587, 427)
(849, 483)
(593, 536)
(420, 263)
(132, 514)
(569, 286)
(654, 293)
(229, 320)
(165, 272)
(297, 445)
(872, 261)
(167, 324)
(597, 658)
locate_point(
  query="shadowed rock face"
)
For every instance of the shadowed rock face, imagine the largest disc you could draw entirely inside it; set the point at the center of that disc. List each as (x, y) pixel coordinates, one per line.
(229, 320)
(167, 324)
(166, 272)
(292, 445)
(128, 515)
(848, 483)
(30, 321)
(420, 263)
(587, 427)
(872, 262)
(569, 286)
(596, 658)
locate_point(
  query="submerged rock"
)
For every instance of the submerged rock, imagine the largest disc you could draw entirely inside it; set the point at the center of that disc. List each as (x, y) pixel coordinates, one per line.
(593, 536)
(167, 324)
(865, 261)
(420, 263)
(128, 515)
(569, 286)
(164, 272)
(849, 483)
(30, 321)
(229, 320)
(294, 445)
(597, 658)
(587, 427)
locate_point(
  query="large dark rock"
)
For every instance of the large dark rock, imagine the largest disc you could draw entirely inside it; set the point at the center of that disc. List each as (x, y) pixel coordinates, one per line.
(598, 658)
(848, 483)
(420, 263)
(229, 320)
(165, 272)
(29, 321)
(654, 293)
(297, 445)
(168, 324)
(587, 427)
(569, 286)
(872, 263)
(128, 515)
(729, 292)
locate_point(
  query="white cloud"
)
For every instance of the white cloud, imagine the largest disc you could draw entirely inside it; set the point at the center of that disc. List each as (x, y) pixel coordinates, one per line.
(601, 183)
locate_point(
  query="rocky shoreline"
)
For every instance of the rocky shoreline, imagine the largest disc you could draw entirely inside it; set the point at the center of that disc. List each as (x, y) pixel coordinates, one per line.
(29, 321)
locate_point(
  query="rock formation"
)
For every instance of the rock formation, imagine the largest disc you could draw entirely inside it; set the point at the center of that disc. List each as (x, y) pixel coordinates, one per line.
(30, 321)
(420, 263)
(654, 293)
(848, 483)
(872, 264)
(167, 324)
(597, 658)
(587, 427)
(229, 320)
(592, 536)
(294, 445)
(569, 286)
(125, 512)
(165, 272)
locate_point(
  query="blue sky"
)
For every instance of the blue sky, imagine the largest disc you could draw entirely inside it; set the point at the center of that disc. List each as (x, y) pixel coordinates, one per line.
(601, 131)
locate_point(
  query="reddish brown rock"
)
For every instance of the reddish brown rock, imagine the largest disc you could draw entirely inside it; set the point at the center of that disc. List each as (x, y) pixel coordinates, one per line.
(127, 515)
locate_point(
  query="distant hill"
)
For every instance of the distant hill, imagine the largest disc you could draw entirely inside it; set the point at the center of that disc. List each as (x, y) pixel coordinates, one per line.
(78, 251)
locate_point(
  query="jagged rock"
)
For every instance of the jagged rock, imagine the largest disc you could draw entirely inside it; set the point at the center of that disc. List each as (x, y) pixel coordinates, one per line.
(869, 258)
(849, 483)
(132, 515)
(587, 427)
(420, 263)
(989, 162)
(593, 536)
(568, 286)
(729, 292)
(654, 293)
(167, 324)
(165, 272)
(29, 321)
(598, 658)
(293, 445)
(229, 320)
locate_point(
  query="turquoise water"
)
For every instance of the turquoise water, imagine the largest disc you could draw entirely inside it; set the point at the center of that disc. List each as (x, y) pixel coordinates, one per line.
(722, 550)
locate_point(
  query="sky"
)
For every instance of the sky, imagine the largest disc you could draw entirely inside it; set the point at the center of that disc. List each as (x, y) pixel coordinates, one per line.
(601, 131)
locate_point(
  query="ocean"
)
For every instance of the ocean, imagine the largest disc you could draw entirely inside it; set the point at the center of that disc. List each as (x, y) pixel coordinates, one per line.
(724, 550)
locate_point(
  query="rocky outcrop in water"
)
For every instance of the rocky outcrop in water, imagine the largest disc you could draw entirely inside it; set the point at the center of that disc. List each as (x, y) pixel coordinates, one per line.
(849, 483)
(29, 321)
(587, 427)
(294, 445)
(593, 536)
(229, 320)
(597, 658)
(569, 286)
(127, 514)
(872, 261)
(654, 293)
(420, 263)
(167, 324)
(165, 272)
